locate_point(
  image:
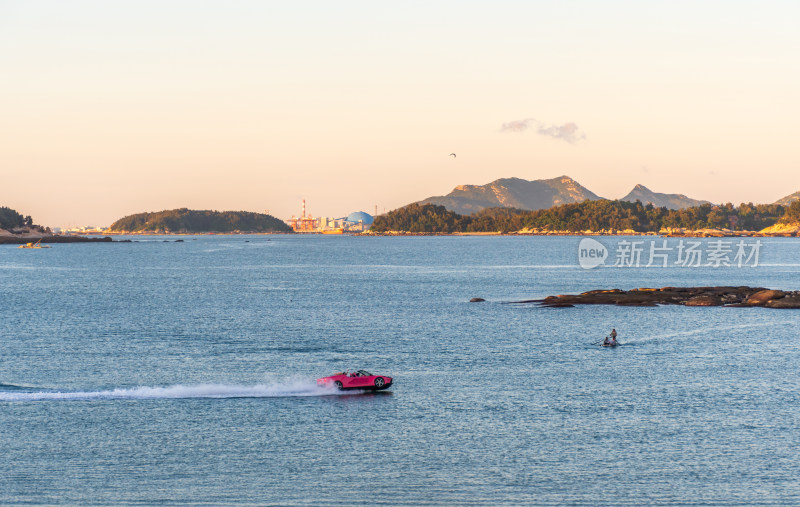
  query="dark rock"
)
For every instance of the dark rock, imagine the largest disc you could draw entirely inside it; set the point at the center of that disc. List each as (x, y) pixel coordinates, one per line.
(788, 303)
(762, 296)
(477, 300)
(688, 296)
(609, 291)
(704, 300)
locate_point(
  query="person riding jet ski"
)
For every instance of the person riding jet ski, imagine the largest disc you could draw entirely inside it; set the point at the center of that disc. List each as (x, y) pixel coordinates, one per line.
(611, 339)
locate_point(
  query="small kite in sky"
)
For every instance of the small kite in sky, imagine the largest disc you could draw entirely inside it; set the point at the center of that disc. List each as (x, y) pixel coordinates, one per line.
(453, 155)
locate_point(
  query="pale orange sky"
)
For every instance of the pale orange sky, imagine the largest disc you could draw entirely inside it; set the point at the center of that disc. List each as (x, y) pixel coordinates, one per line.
(114, 108)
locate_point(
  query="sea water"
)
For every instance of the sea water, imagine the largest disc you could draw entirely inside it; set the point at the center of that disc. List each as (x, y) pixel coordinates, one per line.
(159, 371)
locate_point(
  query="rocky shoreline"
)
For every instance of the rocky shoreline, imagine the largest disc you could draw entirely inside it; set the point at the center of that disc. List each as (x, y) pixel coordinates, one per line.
(739, 297)
(21, 240)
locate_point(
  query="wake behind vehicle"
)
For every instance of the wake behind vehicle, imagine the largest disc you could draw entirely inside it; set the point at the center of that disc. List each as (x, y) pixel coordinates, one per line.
(360, 379)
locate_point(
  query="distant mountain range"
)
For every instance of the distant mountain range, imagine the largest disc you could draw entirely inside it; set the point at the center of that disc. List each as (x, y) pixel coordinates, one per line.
(542, 194)
(669, 201)
(513, 193)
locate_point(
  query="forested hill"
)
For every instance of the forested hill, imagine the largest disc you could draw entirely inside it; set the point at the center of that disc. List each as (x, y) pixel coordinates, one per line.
(422, 218)
(600, 215)
(186, 221)
(11, 220)
(792, 215)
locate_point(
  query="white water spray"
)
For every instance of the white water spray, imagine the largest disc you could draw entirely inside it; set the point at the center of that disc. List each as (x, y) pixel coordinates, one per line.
(178, 392)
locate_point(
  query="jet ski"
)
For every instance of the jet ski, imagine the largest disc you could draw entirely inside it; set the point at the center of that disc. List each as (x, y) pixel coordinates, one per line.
(612, 343)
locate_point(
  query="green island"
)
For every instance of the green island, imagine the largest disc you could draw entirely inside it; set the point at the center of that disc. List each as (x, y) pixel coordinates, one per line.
(186, 221)
(596, 217)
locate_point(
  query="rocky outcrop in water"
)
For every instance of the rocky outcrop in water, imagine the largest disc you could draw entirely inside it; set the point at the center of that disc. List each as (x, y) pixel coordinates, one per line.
(686, 296)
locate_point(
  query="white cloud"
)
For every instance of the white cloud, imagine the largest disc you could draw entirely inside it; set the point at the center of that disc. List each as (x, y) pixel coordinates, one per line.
(568, 132)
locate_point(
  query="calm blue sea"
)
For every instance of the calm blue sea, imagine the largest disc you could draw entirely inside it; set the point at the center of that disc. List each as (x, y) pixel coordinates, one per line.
(183, 372)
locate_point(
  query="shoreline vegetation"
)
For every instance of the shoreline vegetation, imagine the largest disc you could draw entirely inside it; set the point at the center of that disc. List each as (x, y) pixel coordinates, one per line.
(732, 297)
(596, 218)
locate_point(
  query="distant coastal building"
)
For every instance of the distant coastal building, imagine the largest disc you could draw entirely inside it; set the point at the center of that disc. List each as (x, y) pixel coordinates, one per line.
(354, 222)
(88, 229)
(358, 221)
(359, 217)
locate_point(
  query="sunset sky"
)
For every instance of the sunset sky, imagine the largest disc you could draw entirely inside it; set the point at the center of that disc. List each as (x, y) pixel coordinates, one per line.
(113, 108)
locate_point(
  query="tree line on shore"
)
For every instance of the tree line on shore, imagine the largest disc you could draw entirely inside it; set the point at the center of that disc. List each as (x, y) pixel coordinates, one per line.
(178, 220)
(597, 215)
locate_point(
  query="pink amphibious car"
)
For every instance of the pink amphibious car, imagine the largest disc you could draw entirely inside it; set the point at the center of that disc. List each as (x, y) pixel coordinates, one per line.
(356, 380)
